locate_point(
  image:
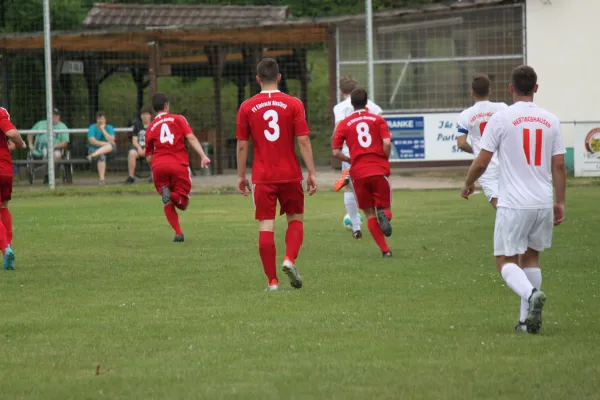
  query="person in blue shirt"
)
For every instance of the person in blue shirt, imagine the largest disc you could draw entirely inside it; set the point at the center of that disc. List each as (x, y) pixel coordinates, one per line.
(101, 142)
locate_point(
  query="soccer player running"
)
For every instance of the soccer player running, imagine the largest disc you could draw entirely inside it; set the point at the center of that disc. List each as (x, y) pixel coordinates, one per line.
(273, 120)
(530, 149)
(368, 137)
(472, 123)
(347, 84)
(166, 151)
(7, 132)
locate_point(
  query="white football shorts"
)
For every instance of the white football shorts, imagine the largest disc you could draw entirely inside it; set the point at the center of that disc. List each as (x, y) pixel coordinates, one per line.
(346, 152)
(489, 183)
(516, 230)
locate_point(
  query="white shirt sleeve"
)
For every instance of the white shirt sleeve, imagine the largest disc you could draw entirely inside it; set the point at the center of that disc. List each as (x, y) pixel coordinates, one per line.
(338, 113)
(374, 108)
(461, 124)
(493, 134)
(557, 146)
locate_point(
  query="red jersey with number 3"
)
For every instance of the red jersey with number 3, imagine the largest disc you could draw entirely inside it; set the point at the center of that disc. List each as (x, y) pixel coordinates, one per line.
(6, 165)
(165, 139)
(273, 120)
(364, 133)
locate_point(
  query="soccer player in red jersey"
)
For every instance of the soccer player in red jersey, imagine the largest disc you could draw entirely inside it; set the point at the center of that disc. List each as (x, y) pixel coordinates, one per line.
(273, 120)
(368, 138)
(7, 132)
(165, 150)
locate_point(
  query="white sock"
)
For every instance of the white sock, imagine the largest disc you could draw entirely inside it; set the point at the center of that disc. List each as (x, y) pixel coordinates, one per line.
(517, 280)
(352, 210)
(535, 277)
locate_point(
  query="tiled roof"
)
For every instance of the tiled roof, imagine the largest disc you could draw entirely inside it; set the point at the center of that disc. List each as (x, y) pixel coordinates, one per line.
(104, 15)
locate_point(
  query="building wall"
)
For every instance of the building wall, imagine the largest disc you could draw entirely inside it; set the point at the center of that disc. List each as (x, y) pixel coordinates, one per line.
(564, 48)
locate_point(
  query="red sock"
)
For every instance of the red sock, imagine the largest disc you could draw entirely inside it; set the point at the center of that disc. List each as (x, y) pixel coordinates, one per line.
(293, 239)
(3, 240)
(7, 222)
(377, 234)
(173, 218)
(267, 251)
(388, 213)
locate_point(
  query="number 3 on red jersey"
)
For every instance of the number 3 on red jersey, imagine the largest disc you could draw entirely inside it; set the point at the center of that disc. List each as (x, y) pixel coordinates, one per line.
(272, 117)
(165, 134)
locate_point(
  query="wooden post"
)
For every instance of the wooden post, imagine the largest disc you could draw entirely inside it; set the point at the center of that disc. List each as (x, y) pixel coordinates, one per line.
(138, 78)
(300, 55)
(332, 72)
(153, 64)
(252, 56)
(386, 52)
(241, 90)
(6, 80)
(91, 72)
(216, 58)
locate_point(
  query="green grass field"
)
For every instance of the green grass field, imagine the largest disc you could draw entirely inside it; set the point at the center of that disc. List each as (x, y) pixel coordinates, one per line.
(98, 283)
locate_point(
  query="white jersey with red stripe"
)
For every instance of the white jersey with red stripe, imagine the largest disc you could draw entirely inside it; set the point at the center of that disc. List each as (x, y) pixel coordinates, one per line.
(525, 137)
(473, 120)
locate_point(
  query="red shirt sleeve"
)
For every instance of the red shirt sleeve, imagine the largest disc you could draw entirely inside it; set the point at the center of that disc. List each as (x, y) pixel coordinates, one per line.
(185, 127)
(150, 141)
(339, 138)
(242, 128)
(384, 130)
(300, 124)
(6, 125)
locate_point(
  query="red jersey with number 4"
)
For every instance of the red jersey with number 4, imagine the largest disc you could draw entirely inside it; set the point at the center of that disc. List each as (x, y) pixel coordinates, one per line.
(364, 133)
(273, 120)
(6, 165)
(165, 139)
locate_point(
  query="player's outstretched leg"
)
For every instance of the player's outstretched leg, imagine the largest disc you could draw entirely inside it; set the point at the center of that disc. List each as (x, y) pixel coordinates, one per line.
(352, 210)
(173, 218)
(294, 237)
(343, 181)
(377, 232)
(6, 219)
(384, 215)
(9, 254)
(268, 254)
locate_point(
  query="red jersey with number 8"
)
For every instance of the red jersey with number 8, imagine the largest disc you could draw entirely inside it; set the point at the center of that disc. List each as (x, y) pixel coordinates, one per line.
(165, 139)
(364, 133)
(273, 120)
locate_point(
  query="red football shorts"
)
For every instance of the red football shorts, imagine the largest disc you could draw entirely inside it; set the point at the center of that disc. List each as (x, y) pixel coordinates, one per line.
(6, 184)
(266, 195)
(373, 191)
(174, 176)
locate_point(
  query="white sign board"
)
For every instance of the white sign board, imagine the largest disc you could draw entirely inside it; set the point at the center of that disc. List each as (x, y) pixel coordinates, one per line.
(72, 67)
(587, 149)
(425, 137)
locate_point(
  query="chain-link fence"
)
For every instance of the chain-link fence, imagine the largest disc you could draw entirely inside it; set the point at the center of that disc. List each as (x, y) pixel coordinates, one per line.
(424, 61)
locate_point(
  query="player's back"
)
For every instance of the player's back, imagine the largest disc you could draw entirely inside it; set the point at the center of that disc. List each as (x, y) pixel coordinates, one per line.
(529, 137)
(5, 126)
(273, 120)
(474, 119)
(165, 138)
(364, 133)
(344, 108)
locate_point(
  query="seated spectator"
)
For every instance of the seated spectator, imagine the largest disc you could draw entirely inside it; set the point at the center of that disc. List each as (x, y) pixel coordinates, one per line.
(137, 147)
(101, 142)
(39, 146)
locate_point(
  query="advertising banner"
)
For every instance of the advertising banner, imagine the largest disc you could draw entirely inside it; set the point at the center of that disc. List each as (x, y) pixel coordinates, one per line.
(426, 137)
(587, 149)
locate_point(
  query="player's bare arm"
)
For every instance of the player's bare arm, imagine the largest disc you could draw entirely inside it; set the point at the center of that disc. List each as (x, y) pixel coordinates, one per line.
(15, 137)
(335, 129)
(387, 146)
(477, 169)
(242, 160)
(307, 156)
(559, 179)
(462, 144)
(195, 144)
(337, 153)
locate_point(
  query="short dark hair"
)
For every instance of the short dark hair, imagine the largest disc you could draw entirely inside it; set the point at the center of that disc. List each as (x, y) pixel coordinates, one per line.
(358, 98)
(524, 80)
(55, 111)
(146, 110)
(159, 101)
(100, 114)
(268, 70)
(481, 85)
(347, 84)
